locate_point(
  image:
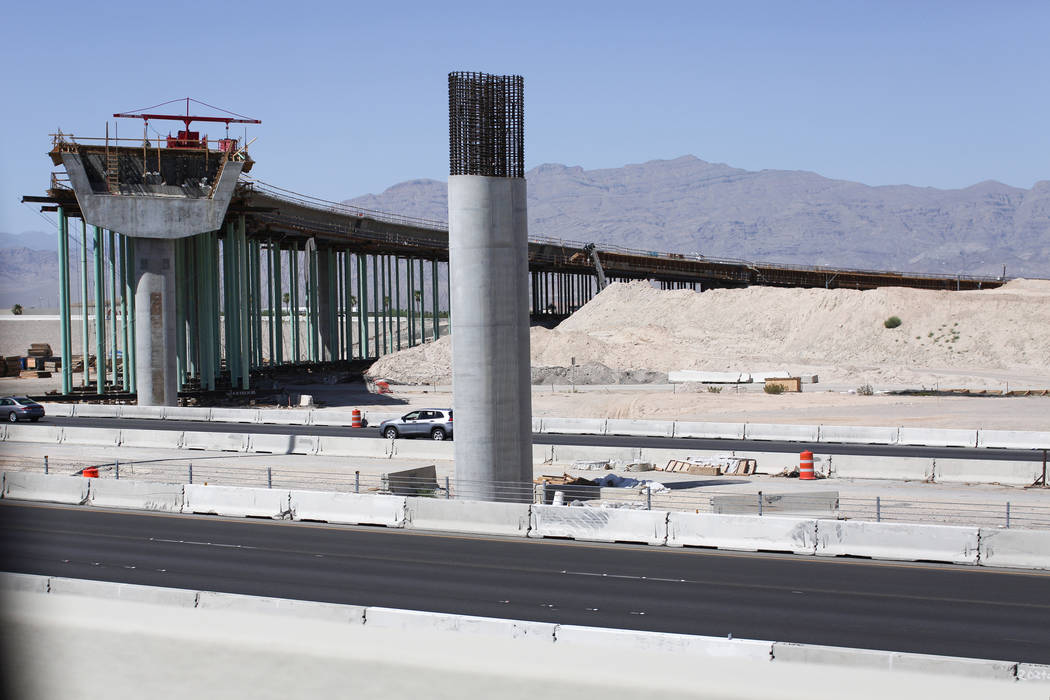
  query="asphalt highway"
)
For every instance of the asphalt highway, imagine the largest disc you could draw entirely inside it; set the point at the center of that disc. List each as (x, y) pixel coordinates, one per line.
(933, 609)
(590, 440)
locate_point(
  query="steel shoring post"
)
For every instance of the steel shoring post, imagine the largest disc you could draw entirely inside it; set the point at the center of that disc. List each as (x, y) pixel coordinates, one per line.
(63, 285)
(202, 301)
(85, 348)
(422, 302)
(125, 350)
(410, 274)
(100, 320)
(227, 273)
(331, 259)
(348, 307)
(293, 312)
(313, 318)
(375, 302)
(258, 297)
(362, 306)
(129, 291)
(250, 301)
(278, 308)
(270, 300)
(397, 298)
(388, 337)
(434, 301)
(113, 307)
(243, 269)
(191, 281)
(180, 314)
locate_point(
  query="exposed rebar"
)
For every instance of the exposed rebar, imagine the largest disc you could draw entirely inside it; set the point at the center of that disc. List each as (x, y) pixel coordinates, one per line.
(486, 119)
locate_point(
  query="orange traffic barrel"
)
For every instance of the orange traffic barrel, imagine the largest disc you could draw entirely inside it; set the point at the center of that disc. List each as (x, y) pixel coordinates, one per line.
(355, 418)
(805, 465)
(90, 472)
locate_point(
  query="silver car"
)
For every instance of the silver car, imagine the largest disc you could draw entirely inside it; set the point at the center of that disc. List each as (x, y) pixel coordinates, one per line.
(435, 423)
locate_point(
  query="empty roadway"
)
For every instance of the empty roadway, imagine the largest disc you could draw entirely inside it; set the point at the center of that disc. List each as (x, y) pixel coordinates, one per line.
(924, 608)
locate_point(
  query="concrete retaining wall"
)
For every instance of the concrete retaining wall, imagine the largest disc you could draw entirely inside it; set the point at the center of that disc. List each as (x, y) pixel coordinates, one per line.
(348, 508)
(599, 524)
(506, 519)
(235, 501)
(742, 532)
(900, 541)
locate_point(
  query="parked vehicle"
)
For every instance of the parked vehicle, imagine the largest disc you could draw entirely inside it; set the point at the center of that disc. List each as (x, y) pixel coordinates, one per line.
(16, 408)
(435, 423)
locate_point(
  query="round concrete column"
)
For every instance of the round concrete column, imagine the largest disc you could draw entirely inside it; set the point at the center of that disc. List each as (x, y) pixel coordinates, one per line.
(155, 356)
(489, 279)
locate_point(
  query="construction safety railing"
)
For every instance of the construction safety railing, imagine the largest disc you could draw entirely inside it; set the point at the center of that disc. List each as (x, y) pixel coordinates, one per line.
(639, 494)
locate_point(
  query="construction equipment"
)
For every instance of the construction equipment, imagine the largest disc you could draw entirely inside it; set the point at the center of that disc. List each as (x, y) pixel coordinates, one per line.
(602, 282)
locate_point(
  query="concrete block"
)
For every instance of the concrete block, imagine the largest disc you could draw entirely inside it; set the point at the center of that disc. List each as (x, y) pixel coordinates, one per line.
(866, 467)
(234, 415)
(272, 444)
(777, 431)
(822, 503)
(537, 425)
(761, 377)
(1022, 549)
(92, 410)
(107, 437)
(348, 508)
(937, 437)
(141, 495)
(29, 583)
(418, 621)
(189, 413)
(1014, 439)
(892, 661)
(3, 431)
(574, 426)
(858, 435)
(34, 433)
(566, 454)
(285, 416)
(419, 481)
(344, 418)
(644, 428)
(1033, 672)
(58, 409)
(542, 454)
(749, 533)
(236, 501)
(305, 445)
(303, 609)
(219, 442)
(144, 412)
(353, 447)
(421, 449)
(52, 488)
(506, 519)
(898, 541)
(160, 439)
(982, 471)
(663, 642)
(599, 524)
(124, 591)
(715, 431)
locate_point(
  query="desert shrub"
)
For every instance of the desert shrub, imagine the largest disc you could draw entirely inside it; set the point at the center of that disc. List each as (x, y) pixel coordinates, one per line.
(892, 322)
(714, 390)
(773, 389)
(865, 390)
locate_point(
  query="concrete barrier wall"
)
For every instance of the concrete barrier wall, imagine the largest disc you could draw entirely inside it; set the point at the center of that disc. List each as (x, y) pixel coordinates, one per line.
(644, 428)
(160, 439)
(574, 426)
(130, 592)
(192, 413)
(566, 454)
(143, 412)
(353, 447)
(690, 375)
(327, 612)
(235, 501)
(899, 541)
(348, 508)
(344, 418)
(58, 409)
(821, 503)
(716, 431)
(91, 410)
(272, 444)
(140, 495)
(506, 519)
(865, 467)
(222, 442)
(1023, 549)
(893, 661)
(776, 431)
(418, 621)
(663, 642)
(858, 435)
(986, 471)
(285, 416)
(1013, 439)
(107, 437)
(747, 533)
(305, 444)
(937, 437)
(52, 488)
(234, 415)
(599, 524)
(36, 433)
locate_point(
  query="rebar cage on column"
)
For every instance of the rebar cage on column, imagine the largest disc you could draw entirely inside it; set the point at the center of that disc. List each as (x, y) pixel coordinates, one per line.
(486, 122)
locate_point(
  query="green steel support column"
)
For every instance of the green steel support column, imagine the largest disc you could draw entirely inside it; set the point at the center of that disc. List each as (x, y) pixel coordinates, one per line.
(248, 302)
(410, 265)
(293, 277)
(278, 295)
(200, 301)
(192, 284)
(243, 290)
(270, 301)
(125, 330)
(311, 301)
(100, 319)
(113, 307)
(85, 348)
(362, 306)
(434, 301)
(422, 302)
(180, 314)
(331, 257)
(226, 341)
(376, 301)
(256, 249)
(132, 325)
(388, 307)
(397, 298)
(211, 250)
(63, 305)
(348, 307)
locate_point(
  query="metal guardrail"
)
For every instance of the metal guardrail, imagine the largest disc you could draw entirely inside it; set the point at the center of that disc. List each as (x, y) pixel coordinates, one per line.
(819, 504)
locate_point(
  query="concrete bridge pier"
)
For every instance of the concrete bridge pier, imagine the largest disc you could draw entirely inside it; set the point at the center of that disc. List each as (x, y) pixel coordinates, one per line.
(155, 337)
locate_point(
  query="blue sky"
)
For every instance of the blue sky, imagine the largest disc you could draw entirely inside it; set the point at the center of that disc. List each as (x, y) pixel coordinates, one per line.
(353, 96)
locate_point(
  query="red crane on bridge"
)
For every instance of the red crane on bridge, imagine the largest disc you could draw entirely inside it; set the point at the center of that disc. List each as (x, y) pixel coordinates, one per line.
(185, 137)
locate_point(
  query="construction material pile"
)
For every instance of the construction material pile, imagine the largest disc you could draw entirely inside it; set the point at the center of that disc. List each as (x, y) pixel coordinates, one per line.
(840, 334)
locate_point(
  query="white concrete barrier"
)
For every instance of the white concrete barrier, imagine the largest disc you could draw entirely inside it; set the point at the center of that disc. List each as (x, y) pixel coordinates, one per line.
(219, 442)
(421, 449)
(142, 495)
(52, 488)
(542, 454)
(308, 609)
(776, 462)
(1014, 439)
(124, 591)
(144, 412)
(748, 533)
(191, 413)
(893, 661)
(1033, 672)
(689, 375)
(664, 642)
(353, 447)
(348, 508)
(285, 416)
(234, 415)
(761, 377)
(986, 471)
(858, 435)
(537, 425)
(343, 418)
(937, 437)
(157, 439)
(506, 519)
(565, 454)
(30, 583)
(713, 431)
(599, 524)
(574, 426)
(107, 437)
(777, 431)
(1023, 549)
(272, 444)
(867, 467)
(418, 621)
(236, 501)
(59, 409)
(305, 444)
(34, 433)
(899, 541)
(3, 431)
(94, 410)
(644, 428)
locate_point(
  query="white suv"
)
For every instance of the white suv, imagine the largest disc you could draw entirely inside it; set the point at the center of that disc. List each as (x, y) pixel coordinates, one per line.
(433, 422)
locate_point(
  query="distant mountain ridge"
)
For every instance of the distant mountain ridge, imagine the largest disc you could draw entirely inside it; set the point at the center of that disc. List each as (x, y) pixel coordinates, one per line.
(688, 205)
